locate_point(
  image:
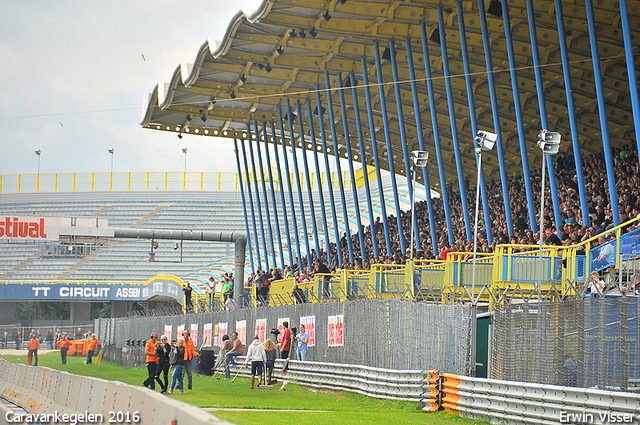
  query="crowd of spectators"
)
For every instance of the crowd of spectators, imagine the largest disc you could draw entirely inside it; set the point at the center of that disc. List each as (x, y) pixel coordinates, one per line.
(573, 228)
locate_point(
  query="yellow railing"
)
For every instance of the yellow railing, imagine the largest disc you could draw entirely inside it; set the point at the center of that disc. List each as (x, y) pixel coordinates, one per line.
(150, 180)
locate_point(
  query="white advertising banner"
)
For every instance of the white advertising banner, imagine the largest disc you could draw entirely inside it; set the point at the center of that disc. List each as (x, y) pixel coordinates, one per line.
(194, 333)
(309, 323)
(208, 328)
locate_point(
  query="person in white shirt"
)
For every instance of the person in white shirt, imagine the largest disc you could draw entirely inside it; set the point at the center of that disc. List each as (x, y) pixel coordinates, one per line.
(257, 356)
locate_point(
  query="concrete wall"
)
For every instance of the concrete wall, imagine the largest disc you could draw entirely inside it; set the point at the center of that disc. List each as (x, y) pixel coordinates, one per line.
(41, 390)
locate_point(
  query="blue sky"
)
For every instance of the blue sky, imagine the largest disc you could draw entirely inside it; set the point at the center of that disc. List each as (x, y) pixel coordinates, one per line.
(73, 80)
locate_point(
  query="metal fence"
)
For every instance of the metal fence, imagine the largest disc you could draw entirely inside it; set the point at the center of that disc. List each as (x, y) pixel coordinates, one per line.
(583, 342)
(390, 333)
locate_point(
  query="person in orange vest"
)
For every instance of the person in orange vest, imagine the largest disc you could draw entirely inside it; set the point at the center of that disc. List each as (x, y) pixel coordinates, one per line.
(64, 344)
(34, 344)
(152, 362)
(93, 342)
(189, 354)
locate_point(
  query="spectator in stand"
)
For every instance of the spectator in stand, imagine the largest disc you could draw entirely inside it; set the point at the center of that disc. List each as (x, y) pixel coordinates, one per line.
(551, 238)
(5, 340)
(79, 334)
(188, 301)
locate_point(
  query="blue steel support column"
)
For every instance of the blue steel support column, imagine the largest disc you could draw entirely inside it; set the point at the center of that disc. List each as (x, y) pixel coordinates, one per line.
(258, 204)
(387, 136)
(323, 137)
(436, 134)
(363, 157)
(374, 151)
(282, 198)
(496, 115)
(253, 213)
(273, 199)
(244, 204)
(454, 127)
(306, 170)
(575, 135)
(611, 177)
(416, 109)
(347, 142)
(298, 185)
(286, 169)
(403, 139)
(314, 146)
(336, 153)
(472, 116)
(520, 123)
(631, 70)
(264, 192)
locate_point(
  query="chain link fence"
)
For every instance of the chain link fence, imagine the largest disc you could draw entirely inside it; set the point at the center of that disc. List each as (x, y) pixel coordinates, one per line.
(584, 342)
(390, 333)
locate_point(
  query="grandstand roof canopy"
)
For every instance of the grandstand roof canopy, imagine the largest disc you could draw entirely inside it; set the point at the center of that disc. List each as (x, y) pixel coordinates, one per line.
(283, 49)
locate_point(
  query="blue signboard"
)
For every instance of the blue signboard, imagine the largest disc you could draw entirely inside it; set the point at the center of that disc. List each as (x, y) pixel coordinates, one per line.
(93, 291)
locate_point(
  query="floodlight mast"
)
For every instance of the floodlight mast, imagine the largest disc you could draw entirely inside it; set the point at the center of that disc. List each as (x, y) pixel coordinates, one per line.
(549, 143)
(419, 159)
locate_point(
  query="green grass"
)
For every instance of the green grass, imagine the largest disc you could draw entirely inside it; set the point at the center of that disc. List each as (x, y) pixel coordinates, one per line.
(341, 408)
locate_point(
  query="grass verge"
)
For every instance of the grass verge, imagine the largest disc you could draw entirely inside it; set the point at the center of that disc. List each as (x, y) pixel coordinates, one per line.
(337, 407)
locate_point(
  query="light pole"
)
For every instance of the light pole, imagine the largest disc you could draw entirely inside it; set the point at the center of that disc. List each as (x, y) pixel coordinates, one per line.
(184, 182)
(419, 159)
(549, 142)
(485, 141)
(38, 152)
(111, 151)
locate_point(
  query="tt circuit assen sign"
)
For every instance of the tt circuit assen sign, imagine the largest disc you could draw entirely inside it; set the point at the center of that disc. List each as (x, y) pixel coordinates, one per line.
(89, 291)
(30, 228)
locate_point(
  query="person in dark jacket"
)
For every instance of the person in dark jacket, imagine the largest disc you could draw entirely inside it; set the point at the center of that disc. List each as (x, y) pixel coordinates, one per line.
(272, 354)
(178, 368)
(162, 351)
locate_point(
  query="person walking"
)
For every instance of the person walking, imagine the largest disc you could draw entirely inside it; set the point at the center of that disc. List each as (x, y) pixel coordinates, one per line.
(178, 368)
(93, 342)
(303, 340)
(190, 354)
(152, 361)
(64, 344)
(162, 351)
(258, 357)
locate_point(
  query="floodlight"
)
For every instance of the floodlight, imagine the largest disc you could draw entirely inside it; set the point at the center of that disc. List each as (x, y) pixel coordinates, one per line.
(485, 140)
(420, 158)
(549, 142)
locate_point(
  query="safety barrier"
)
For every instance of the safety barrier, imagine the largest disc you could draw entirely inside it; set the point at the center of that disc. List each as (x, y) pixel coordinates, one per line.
(499, 401)
(520, 402)
(44, 391)
(405, 385)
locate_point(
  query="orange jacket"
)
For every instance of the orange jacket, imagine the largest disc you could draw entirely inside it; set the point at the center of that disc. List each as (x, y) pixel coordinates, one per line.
(189, 349)
(92, 343)
(152, 347)
(34, 344)
(64, 343)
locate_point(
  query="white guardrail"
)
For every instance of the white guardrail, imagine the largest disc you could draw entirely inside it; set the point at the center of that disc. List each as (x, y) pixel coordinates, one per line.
(504, 402)
(43, 391)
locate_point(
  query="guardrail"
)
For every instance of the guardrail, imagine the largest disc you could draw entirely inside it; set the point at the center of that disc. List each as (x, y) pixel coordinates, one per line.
(521, 402)
(43, 391)
(499, 401)
(147, 180)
